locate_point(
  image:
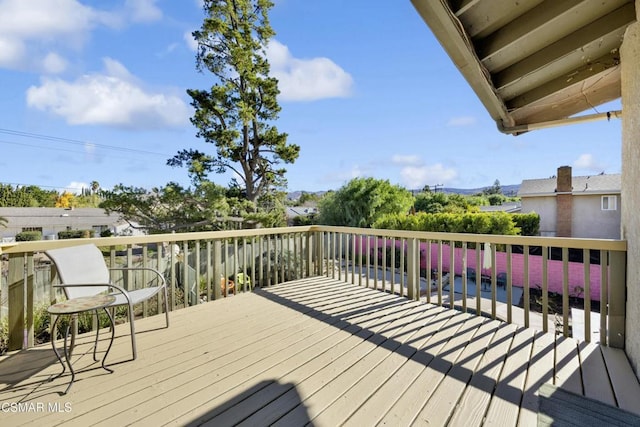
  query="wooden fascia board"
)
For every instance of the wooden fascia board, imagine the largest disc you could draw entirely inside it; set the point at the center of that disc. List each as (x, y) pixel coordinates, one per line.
(450, 32)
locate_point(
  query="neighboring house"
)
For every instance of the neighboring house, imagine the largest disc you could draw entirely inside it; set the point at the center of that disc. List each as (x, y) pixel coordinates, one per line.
(509, 207)
(579, 206)
(298, 211)
(50, 221)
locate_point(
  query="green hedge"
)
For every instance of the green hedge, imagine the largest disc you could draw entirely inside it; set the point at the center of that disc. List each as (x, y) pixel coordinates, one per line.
(28, 236)
(477, 223)
(529, 223)
(75, 234)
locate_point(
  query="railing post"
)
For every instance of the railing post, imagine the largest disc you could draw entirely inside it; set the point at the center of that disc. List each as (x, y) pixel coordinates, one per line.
(16, 301)
(617, 297)
(413, 269)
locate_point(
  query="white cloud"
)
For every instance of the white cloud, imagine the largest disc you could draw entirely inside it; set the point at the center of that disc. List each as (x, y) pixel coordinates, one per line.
(306, 79)
(40, 26)
(75, 187)
(414, 177)
(54, 63)
(112, 99)
(588, 162)
(192, 44)
(412, 160)
(143, 10)
(12, 52)
(461, 121)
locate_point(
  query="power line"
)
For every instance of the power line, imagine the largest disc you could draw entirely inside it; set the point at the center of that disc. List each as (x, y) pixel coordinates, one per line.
(41, 186)
(72, 142)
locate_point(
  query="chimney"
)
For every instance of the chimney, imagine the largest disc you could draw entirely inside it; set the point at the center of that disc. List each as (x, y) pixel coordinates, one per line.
(564, 202)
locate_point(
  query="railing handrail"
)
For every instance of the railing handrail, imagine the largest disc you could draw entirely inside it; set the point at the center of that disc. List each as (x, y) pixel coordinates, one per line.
(42, 245)
(560, 242)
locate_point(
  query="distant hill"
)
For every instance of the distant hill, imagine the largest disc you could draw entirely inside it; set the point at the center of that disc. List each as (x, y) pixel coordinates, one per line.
(507, 190)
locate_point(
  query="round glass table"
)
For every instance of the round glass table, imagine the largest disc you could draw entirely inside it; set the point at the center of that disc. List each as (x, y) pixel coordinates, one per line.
(73, 307)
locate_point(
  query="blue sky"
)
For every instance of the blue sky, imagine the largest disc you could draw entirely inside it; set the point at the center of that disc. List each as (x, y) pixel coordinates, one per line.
(95, 91)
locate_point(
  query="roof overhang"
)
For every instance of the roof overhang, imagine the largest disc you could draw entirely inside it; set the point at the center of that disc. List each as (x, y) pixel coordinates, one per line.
(533, 62)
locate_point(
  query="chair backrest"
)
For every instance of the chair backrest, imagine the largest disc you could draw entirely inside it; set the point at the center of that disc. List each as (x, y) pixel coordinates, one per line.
(82, 264)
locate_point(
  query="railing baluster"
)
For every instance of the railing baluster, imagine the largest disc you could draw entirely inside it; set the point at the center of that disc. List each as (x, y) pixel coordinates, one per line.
(452, 273)
(145, 275)
(440, 273)
(376, 249)
(463, 274)
(604, 295)
(210, 275)
(402, 267)
(545, 289)
(282, 259)
(565, 292)
(526, 285)
(428, 271)
(197, 272)
(494, 282)
(509, 285)
(384, 263)
(368, 237)
(360, 255)
(172, 284)
(478, 279)
(586, 258)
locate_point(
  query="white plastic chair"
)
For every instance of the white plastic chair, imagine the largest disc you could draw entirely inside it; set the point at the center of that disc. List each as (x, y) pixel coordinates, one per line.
(83, 272)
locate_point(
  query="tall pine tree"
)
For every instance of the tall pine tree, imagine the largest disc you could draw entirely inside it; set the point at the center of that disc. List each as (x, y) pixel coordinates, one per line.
(237, 114)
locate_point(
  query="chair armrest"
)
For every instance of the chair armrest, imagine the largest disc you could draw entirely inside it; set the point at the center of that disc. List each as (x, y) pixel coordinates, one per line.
(153, 270)
(82, 285)
(111, 286)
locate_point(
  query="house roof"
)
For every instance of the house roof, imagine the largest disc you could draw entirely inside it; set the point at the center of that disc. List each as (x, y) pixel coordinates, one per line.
(52, 217)
(510, 207)
(533, 61)
(582, 185)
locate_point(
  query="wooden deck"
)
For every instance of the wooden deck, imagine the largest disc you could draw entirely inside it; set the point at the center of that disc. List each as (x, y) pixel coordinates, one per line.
(319, 352)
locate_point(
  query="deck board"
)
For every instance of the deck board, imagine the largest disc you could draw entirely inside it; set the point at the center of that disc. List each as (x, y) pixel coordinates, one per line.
(316, 351)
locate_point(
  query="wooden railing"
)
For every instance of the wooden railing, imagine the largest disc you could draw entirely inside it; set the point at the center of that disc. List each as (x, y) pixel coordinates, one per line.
(446, 269)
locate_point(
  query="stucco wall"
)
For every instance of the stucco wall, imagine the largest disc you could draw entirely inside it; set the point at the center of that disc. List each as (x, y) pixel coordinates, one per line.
(590, 221)
(630, 178)
(546, 208)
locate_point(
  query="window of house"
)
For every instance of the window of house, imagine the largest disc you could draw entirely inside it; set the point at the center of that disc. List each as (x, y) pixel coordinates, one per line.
(609, 203)
(32, 229)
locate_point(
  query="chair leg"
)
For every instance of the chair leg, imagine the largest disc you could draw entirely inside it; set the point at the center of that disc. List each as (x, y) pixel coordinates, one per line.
(166, 306)
(133, 332)
(95, 345)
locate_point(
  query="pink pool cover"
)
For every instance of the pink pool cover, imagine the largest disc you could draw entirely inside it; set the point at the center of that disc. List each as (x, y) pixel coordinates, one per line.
(554, 268)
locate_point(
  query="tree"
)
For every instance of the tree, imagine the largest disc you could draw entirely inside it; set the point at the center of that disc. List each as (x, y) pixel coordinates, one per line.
(26, 196)
(362, 201)
(65, 200)
(494, 189)
(173, 208)
(236, 115)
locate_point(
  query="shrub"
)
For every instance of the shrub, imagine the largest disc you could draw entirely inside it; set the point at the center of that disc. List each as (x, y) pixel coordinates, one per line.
(28, 236)
(75, 234)
(529, 223)
(478, 223)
